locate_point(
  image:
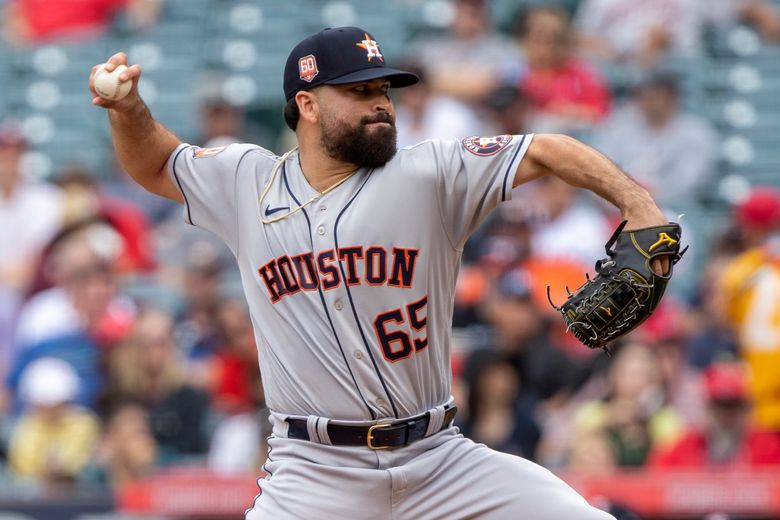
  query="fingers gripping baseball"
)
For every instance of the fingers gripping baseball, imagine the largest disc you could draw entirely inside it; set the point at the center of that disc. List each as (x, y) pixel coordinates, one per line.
(107, 83)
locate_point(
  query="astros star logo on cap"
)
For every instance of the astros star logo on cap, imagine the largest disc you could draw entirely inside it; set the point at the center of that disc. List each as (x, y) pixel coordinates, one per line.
(371, 46)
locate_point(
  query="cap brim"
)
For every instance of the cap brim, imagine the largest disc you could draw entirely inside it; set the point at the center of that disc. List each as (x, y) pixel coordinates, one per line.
(398, 78)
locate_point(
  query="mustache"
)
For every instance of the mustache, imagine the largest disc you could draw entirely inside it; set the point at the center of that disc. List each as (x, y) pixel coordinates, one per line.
(382, 117)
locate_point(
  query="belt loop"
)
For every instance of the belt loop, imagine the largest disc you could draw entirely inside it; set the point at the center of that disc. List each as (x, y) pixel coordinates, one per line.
(311, 428)
(436, 421)
(280, 425)
(322, 431)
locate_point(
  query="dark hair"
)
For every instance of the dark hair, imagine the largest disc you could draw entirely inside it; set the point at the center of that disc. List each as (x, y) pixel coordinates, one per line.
(292, 114)
(522, 17)
(665, 79)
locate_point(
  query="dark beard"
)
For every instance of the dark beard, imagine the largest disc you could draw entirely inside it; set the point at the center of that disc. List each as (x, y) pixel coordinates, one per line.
(359, 146)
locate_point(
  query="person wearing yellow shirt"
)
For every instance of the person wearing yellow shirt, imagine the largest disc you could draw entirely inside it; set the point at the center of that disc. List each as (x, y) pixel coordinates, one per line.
(54, 439)
(751, 297)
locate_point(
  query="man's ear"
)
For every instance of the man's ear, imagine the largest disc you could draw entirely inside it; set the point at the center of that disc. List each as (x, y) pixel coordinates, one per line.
(308, 106)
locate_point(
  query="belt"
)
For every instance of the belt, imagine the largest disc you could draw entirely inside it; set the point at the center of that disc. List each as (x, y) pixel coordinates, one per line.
(377, 436)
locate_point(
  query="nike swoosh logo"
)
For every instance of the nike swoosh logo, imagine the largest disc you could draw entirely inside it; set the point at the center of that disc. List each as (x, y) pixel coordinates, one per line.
(269, 211)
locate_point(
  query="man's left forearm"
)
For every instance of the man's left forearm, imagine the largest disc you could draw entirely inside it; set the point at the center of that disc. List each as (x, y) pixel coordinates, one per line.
(580, 165)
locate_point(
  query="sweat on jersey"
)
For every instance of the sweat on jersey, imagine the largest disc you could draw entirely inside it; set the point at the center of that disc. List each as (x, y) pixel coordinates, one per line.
(351, 298)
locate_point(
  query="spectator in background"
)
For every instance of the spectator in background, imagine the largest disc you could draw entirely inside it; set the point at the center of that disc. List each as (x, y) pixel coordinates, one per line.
(634, 414)
(729, 438)
(506, 244)
(78, 318)
(499, 415)
(86, 201)
(115, 184)
(472, 59)
(31, 22)
(197, 327)
(30, 213)
(509, 111)
(78, 350)
(565, 226)
(235, 379)
(592, 454)
(711, 338)
(222, 123)
(83, 298)
(666, 330)
(422, 114)
(566, 94)
(238, 444)
(644, 33)
(751, 285)
(128, 450)
(673, 154)
(54, 439)
(522, 334)
(149, 369)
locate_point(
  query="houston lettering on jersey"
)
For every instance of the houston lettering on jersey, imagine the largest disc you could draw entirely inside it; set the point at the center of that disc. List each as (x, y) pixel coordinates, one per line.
(373, 265)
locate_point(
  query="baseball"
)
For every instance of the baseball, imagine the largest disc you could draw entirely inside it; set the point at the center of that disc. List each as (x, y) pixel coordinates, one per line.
(109, 86)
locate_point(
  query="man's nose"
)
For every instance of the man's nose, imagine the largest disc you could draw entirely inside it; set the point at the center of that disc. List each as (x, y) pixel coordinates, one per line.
(382, 104)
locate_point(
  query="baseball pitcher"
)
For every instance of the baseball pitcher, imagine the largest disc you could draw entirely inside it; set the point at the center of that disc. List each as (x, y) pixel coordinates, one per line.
(349, 251)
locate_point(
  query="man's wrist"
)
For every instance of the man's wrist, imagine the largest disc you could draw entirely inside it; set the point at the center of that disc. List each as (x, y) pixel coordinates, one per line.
(640, 210)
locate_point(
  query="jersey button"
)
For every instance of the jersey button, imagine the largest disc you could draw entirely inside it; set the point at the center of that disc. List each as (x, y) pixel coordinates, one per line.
(358, 355)
(321, 230)
(338, 304)
(380, 402)
(323, 208)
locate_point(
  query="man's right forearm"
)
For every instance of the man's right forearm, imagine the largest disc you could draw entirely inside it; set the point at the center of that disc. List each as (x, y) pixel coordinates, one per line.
(143, 147)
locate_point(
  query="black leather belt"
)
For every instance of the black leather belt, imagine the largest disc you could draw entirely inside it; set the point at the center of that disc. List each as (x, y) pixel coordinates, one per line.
(377, 436)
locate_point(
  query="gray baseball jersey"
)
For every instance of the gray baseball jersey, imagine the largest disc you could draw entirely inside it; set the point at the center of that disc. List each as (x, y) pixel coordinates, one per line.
(351, 297)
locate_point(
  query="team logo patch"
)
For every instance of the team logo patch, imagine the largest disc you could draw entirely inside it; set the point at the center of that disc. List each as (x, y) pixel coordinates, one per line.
(207, 152)
(307, 68)
(371, 47)
(484, 146)
(663, 239)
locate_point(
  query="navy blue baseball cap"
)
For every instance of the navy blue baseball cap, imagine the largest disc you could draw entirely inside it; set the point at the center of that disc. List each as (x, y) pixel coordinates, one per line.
(338, 56)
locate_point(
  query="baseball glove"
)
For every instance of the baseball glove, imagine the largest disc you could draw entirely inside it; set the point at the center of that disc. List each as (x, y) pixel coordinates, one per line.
(626, 290)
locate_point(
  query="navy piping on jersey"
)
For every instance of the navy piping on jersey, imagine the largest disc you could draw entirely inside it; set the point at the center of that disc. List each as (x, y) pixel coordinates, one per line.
(186, 202)
(322, 298)
(508, 168)
(349, 295)
(267, 477)
(235, 196)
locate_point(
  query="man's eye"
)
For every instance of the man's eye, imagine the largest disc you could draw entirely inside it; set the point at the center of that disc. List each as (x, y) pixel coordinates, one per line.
(361, 88)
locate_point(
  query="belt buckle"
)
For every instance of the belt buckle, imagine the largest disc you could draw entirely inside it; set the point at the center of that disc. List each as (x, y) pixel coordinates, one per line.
(370, 436)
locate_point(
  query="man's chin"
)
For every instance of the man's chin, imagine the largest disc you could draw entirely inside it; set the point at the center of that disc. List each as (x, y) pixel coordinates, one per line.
(379, 155)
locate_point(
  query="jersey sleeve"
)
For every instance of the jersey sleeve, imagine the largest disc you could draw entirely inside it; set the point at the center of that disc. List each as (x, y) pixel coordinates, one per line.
(206, 178)
(475, 174)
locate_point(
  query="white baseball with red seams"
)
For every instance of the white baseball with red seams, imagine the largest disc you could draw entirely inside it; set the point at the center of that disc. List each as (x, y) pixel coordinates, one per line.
(109, 86)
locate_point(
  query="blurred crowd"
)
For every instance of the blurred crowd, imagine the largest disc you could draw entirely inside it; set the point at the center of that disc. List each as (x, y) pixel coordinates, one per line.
(126, 346)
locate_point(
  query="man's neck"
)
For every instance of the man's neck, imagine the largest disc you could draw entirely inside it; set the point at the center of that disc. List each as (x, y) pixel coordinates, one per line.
(321, 170)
